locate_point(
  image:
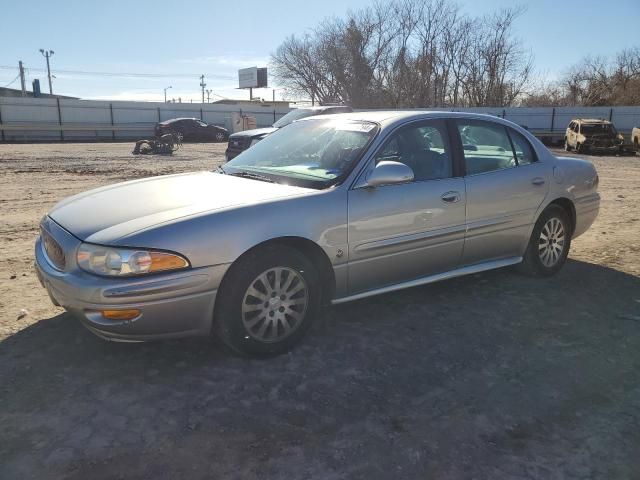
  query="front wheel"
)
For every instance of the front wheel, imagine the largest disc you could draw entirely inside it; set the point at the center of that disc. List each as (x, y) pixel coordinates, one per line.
(567, 148)
(267, 302)
(220, 137)
(549, 243)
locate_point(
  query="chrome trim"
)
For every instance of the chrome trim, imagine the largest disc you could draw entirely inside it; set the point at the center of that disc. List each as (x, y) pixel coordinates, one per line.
(407, 239)
(162, 286)
(480, 267)
(489, 222)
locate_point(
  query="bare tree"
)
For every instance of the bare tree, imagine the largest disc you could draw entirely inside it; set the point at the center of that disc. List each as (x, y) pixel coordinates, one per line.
(408, 53)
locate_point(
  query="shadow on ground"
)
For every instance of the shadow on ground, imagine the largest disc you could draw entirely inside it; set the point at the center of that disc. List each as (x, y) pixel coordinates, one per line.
(491, 376)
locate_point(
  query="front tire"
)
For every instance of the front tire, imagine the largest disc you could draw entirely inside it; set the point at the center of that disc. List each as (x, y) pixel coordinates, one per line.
(549, 243)
(567, 148)
(267, 302)
(220, 137)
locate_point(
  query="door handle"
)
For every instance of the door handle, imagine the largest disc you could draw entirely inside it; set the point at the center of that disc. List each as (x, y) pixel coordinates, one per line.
(538, 181)
(450, 197)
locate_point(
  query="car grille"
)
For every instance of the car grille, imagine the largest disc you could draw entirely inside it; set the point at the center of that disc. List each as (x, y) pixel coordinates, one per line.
(53, 250)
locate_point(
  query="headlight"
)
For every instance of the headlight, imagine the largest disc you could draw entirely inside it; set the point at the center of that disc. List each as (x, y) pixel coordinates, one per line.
(254, 141)
(124, 262)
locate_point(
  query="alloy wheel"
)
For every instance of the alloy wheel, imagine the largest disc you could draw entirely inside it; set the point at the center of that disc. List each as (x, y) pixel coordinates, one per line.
(551, 243)
(275, 304)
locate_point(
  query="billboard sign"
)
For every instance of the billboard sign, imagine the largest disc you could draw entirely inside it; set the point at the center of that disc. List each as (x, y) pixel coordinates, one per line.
(252, 77)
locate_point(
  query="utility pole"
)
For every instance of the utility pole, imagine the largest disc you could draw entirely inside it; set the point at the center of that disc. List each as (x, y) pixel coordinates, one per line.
(165, 93)
(208, 95)
(46, 54)
(202, 84)
(22, 80)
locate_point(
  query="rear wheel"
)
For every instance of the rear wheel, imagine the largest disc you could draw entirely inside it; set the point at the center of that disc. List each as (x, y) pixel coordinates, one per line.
(549, 243)
(267, 301)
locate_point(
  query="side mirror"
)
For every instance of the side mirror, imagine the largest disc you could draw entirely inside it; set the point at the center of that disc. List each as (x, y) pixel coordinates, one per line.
(389, 173)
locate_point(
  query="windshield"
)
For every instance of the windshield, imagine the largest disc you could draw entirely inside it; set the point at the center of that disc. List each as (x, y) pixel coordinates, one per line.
(314, 153)
(597, 129)
(294, 115)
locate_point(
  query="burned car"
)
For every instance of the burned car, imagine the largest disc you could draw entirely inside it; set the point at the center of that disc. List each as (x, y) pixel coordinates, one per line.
(593, 135)
(238, 142)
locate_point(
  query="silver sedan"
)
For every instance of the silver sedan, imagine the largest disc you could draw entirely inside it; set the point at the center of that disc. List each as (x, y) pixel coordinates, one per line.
(326, 210)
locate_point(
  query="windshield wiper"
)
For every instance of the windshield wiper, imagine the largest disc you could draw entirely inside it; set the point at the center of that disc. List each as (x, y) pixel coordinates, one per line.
(220, 170)
(253, 176)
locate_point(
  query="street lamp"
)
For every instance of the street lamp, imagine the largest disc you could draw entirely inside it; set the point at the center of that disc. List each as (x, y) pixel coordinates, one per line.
(165, 93)
(46, 54)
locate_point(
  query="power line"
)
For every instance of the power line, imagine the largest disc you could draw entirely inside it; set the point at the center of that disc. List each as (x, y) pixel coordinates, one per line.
(8, 84)
(126, 74)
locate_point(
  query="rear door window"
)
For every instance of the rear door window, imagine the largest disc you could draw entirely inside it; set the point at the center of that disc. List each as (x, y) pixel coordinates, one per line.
(486, 146)
(525, 154)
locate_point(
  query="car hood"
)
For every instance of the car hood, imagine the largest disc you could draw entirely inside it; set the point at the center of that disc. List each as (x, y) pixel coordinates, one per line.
(258, 132)
(109, 213)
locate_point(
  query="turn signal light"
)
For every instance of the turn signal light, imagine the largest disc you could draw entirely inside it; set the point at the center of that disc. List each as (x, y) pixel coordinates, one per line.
(120, 314)
(166, 261)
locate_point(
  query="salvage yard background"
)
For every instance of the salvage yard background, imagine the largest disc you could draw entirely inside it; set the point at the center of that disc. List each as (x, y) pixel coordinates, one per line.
(44, 119)
(489, 376)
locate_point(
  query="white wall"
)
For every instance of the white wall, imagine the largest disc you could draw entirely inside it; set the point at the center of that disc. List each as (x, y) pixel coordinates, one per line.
(135, 120)
(36, 113)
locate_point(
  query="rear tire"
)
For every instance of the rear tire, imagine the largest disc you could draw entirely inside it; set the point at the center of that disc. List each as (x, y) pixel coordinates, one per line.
(267, 302)
(549, 243)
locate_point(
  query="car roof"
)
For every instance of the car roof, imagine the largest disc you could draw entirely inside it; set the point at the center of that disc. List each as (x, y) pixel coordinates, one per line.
(388, 117)
(181, 118)
(591, 120)
(320, 108)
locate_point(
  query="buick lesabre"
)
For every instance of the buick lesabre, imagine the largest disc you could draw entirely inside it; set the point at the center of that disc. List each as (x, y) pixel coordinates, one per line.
(326, 210)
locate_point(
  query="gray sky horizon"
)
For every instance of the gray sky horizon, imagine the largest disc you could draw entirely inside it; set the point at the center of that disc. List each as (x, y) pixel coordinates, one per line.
(133, 50)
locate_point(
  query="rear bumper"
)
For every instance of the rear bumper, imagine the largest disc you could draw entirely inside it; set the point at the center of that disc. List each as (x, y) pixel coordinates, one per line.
(171, 305)
(587, 209)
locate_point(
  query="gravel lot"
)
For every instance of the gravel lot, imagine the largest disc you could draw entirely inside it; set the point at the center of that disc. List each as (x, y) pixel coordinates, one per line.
(489, 376)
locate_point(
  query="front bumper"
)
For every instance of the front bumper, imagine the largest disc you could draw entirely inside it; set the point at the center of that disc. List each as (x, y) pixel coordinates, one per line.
(615, 148)
(172, 305)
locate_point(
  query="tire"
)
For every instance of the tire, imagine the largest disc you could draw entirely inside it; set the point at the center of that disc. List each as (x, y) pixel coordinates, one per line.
(579, 148)
(250, 319)
(542, 258)
(219, 137)
(567, 148)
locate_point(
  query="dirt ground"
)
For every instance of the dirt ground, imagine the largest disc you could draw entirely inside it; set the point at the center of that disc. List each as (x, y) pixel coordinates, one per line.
(489, 376)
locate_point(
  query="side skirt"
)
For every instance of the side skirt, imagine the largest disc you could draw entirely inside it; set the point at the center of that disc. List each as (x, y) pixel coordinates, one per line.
(459, 272)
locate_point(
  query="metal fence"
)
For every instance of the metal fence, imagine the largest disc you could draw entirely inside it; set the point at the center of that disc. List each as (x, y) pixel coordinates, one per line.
(551, 122)
(44, 119)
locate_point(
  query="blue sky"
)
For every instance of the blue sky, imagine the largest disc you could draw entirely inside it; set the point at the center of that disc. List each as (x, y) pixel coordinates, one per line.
(185, 39)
